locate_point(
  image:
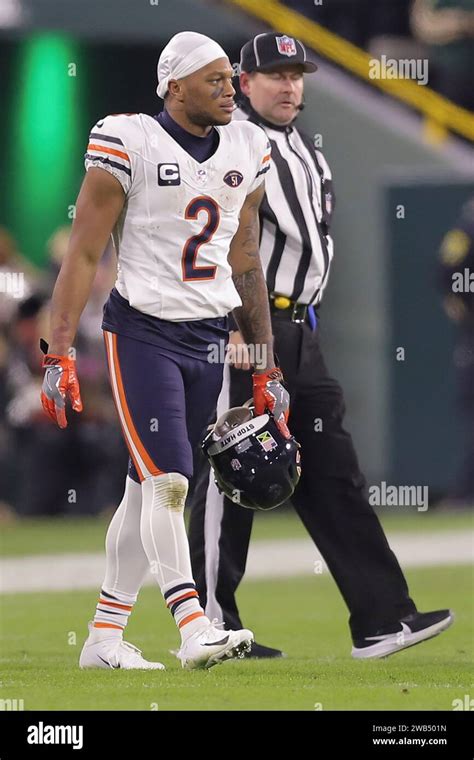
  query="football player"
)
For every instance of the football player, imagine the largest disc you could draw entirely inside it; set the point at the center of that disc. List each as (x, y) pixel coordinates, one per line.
(180, 194)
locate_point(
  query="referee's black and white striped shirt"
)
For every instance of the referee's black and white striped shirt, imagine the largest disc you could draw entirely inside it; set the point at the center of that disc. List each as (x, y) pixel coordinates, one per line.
(295, 246)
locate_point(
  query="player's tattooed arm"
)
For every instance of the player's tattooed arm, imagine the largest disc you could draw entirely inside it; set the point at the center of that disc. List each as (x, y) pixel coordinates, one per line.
(253, 317)
(98, 206)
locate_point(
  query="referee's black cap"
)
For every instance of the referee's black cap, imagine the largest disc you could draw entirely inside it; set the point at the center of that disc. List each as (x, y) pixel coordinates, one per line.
(267, 51)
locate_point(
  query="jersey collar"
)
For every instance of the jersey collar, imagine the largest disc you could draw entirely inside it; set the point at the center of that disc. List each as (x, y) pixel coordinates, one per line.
(200, 148)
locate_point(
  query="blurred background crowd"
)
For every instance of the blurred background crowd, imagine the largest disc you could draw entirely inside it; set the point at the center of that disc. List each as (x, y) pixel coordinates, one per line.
(45, 470)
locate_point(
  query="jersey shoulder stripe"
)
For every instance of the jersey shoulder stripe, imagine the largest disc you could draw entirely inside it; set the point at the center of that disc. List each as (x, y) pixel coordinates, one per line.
(98, 148)
(108, 162)
(105, 138)
(110, 147)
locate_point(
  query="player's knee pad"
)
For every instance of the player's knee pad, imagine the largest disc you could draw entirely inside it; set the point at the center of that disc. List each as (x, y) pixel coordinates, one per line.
(169, 490)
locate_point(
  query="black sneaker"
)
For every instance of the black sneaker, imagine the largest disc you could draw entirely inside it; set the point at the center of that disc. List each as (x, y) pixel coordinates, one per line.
(411, 630)
(260, 651)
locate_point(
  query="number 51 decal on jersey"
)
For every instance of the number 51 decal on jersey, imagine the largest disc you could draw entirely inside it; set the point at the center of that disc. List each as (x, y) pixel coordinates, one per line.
(192, 244)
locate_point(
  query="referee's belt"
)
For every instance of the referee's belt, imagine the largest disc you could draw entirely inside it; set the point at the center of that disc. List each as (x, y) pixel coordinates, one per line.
(285, 307)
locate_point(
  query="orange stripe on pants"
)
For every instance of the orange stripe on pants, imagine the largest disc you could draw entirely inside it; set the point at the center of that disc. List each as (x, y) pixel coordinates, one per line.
(128, 427)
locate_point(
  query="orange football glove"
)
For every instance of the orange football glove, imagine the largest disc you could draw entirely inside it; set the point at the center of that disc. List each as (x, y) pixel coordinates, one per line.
(270, 394)
(60, 382)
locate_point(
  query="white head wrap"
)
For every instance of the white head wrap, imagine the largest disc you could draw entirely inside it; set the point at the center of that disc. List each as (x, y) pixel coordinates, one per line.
(184, 54)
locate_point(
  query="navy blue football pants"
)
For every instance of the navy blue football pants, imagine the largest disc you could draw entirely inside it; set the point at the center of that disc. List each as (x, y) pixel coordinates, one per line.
(164, 401)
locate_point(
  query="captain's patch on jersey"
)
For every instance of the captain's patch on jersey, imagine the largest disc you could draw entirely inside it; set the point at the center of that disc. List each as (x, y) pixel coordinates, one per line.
(168, 174)
(266, 441)
(233, 178)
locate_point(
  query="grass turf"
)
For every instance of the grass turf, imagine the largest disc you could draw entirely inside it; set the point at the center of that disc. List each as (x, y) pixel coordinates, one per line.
(72, 534)
(42, 635)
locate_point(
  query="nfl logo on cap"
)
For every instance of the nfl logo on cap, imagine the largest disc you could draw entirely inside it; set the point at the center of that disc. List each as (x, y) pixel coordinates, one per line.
(286, 45)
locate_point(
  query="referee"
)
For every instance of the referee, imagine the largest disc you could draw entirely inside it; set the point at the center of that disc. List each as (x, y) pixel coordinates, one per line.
(296, 251)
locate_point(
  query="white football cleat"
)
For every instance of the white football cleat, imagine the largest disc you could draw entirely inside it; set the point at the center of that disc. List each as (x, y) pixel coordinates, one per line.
(209, 646)
(113, 652)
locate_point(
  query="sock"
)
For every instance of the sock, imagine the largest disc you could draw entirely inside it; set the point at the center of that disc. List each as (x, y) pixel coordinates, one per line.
(166, 545)
(182, 600)
(126, 564)
(112, 612)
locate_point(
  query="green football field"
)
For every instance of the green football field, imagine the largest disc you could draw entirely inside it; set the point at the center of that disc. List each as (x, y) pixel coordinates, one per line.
(86, 534)
(42, 634)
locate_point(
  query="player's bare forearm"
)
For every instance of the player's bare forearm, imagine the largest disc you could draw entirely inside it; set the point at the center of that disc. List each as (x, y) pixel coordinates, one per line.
(253, 317)
(70, 296)
(98, 206)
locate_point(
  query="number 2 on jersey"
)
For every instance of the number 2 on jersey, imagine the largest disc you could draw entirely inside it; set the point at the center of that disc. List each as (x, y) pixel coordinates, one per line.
(192, 244)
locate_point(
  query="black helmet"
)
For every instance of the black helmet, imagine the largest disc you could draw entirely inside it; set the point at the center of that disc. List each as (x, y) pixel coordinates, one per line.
(254, 464)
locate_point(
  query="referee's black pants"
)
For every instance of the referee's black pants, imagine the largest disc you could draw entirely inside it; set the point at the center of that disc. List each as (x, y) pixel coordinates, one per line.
(330, 499)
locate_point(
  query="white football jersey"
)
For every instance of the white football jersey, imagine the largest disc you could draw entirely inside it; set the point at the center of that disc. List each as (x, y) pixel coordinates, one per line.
(173, 235)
